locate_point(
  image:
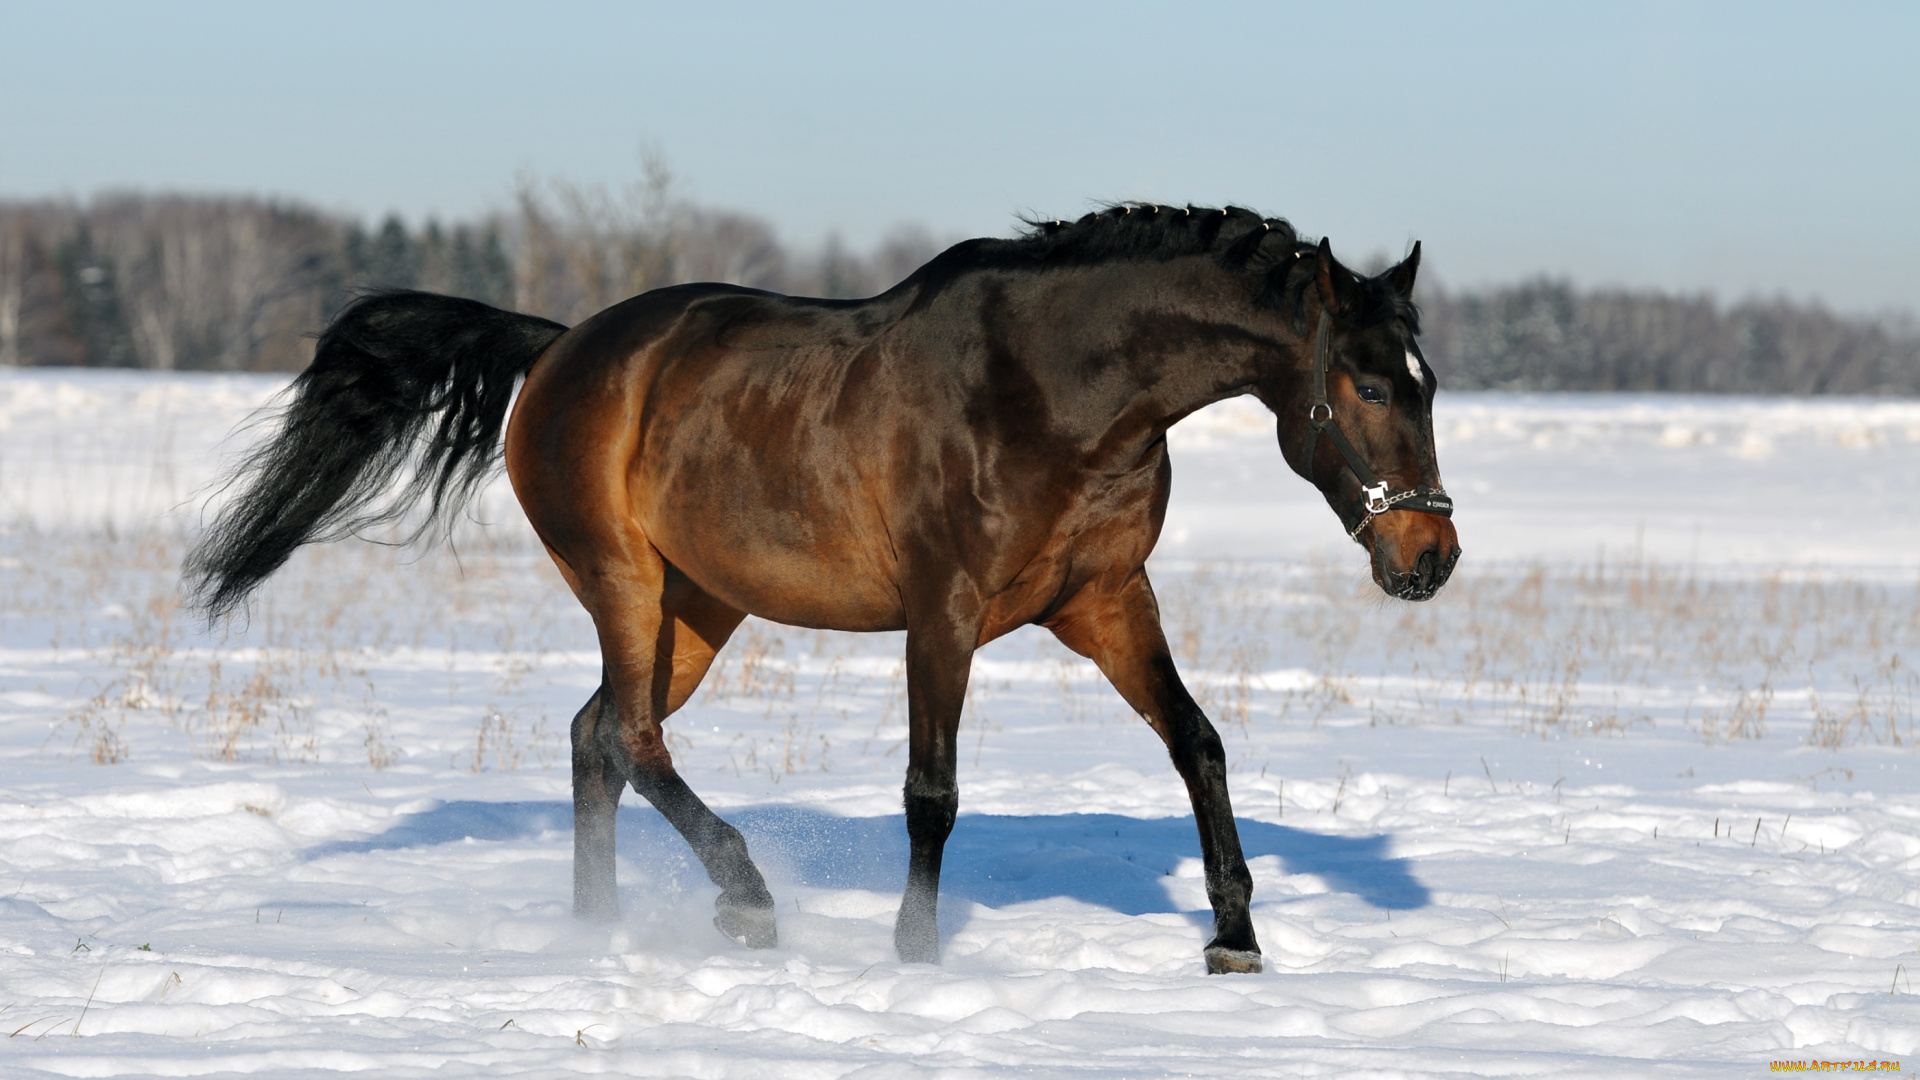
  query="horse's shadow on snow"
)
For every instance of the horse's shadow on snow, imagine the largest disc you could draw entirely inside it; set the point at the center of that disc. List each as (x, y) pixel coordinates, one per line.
(1120, 863)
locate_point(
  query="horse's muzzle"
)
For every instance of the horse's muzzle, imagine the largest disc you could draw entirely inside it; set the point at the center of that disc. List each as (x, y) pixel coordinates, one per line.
(1413, 553)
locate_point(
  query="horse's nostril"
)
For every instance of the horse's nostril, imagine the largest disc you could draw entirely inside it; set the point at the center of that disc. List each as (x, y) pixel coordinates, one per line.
(1427, 566)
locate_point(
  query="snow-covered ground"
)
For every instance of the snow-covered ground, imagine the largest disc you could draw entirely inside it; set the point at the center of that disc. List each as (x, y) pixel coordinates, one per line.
(1637, 794)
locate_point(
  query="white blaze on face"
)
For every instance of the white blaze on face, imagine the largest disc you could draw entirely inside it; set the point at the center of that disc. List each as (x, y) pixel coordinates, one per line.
(1413, 367)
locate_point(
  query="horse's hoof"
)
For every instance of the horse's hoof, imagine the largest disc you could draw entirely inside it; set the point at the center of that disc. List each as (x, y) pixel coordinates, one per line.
(1224, 961)
(749, 926)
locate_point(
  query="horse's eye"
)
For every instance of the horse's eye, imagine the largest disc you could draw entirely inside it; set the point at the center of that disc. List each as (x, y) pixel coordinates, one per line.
(1373, 395)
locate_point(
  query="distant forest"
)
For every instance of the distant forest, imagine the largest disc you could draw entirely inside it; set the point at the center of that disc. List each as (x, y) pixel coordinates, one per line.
(174, 282)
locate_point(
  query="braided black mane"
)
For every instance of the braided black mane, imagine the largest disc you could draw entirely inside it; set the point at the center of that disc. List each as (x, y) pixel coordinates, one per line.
(1232, 234)
(1237, 238)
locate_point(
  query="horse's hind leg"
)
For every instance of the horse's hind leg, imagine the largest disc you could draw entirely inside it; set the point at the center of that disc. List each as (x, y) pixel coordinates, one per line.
(658, 635)
(596, 800)
(693, 628)
(1118, 628)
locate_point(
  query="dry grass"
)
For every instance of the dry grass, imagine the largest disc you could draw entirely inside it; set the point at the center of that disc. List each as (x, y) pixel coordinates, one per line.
(806, 699)
(250, 692)
(1596, 650)
(1878, 705)
(499, 746)
(1592, 650)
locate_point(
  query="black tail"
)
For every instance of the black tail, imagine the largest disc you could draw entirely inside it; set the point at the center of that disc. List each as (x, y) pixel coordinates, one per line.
(401, 382)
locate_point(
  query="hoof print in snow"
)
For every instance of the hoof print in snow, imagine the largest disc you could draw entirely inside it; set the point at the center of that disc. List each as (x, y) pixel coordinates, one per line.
(749, 926)
(1233, 962)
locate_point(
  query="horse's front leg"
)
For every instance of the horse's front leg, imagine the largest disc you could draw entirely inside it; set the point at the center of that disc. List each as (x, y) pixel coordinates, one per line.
(1117, 626)
(939, 658)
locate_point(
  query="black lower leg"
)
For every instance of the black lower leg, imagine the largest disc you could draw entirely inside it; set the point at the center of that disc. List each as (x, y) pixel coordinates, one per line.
(939, 657)
(932, 802)
(745, 907)
(1202, 763)
(596, 804)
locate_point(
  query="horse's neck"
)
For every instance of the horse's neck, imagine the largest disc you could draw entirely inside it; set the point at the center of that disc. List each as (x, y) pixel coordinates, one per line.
(1195, 340)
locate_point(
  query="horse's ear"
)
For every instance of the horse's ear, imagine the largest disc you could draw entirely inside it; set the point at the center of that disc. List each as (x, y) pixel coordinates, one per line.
(1338, 287)
(1401, 277)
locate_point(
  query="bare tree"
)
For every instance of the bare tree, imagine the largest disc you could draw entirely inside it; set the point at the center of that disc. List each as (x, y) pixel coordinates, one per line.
(227, 284)
(13, 284)
(738, 249)
(581, 248)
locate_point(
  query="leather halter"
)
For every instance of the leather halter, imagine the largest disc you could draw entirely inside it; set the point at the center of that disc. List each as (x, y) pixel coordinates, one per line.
(1378, 499)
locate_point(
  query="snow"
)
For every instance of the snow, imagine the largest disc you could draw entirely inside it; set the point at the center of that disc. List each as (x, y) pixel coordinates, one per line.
(1635, 795)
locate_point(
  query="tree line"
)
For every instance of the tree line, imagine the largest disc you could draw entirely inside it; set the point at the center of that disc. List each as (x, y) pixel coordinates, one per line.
(218, 283)
(1549, 335)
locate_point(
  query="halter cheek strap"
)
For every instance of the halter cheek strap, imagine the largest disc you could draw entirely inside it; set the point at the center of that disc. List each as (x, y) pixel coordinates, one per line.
(1378, 500)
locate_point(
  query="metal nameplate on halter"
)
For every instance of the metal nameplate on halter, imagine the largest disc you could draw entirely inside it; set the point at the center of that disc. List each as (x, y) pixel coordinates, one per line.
(1376, 498)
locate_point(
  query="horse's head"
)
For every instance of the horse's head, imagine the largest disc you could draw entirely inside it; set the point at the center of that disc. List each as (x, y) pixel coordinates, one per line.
(1360, 423)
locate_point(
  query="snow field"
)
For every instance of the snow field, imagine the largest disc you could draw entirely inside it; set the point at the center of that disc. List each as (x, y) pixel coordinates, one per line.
(1614, 803)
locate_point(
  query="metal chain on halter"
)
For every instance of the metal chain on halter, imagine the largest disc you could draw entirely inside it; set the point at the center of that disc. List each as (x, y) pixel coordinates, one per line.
(1320, 418)
(1389, 503)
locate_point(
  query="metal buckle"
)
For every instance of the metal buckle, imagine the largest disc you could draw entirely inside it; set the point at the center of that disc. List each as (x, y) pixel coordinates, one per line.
(1313, 412)
(1376, 498)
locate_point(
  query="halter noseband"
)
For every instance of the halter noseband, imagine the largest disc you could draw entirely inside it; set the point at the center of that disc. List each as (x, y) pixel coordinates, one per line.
(1320, 418)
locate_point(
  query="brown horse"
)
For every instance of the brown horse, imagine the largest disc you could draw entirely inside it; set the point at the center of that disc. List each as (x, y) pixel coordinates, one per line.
(979, 448)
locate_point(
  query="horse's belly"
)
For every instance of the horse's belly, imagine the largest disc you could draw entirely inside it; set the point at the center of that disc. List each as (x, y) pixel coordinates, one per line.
(818, 586)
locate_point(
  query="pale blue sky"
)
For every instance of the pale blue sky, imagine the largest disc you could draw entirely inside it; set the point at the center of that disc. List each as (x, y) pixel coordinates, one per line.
(1738, 148)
